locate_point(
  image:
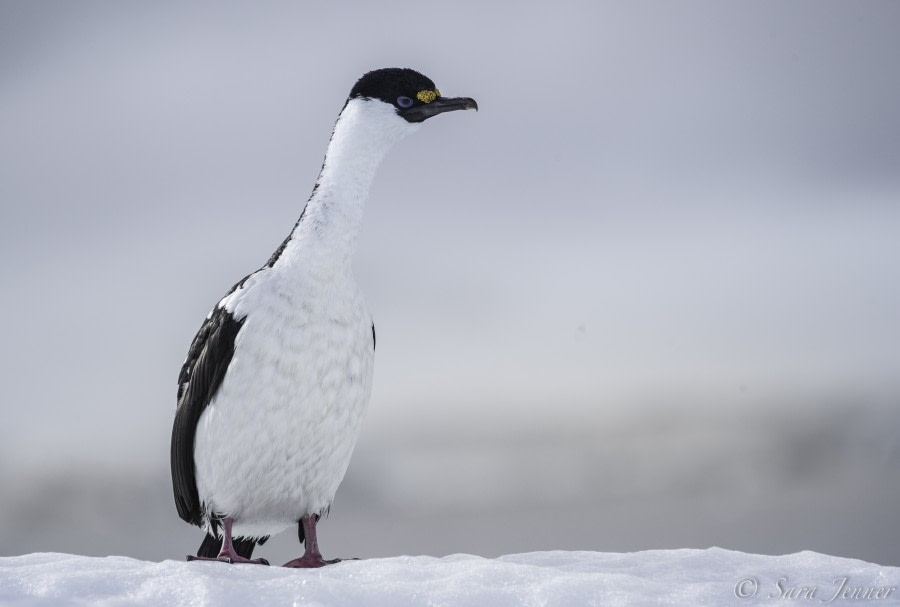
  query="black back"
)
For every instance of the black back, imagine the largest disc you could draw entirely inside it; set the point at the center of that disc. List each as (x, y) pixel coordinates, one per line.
(199, 380)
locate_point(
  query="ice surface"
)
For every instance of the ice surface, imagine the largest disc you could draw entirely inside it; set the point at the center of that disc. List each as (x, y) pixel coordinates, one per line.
(657, 577)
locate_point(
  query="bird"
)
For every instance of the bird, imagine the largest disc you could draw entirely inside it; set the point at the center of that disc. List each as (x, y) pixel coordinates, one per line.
(276, 382)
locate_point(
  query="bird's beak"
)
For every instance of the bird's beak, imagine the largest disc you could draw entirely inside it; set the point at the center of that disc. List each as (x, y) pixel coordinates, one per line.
(419, 113)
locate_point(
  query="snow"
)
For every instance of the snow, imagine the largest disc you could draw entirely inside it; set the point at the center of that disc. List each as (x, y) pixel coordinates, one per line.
(657, 577)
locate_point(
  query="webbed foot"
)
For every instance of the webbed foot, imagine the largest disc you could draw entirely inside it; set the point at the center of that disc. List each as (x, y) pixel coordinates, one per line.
(310, 561)
(228, 558)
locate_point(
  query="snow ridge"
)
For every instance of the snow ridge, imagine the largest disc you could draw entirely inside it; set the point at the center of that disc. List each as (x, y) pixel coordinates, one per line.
(686, 577)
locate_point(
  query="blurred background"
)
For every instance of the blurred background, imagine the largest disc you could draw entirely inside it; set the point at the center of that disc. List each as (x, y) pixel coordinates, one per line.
(647, 297)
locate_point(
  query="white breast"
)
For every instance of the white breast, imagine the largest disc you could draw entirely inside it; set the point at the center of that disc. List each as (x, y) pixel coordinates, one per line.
(275, 442)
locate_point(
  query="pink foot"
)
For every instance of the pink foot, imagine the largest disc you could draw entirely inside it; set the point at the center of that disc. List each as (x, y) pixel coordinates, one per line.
(312, 558)
(310, 561)
(227, 554)
(228, 558)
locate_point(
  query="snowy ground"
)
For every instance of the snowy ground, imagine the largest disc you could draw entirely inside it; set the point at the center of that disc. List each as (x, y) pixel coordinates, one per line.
(656, 577)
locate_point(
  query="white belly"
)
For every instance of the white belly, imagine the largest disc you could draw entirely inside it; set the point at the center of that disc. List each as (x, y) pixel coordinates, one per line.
(275, 442)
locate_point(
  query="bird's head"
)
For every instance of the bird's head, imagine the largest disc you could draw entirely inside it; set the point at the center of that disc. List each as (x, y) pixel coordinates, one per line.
(383, 107)
(403, 97)
(413, 96)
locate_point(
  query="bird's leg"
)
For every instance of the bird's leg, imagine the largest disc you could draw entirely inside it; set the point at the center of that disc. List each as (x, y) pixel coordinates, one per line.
(311, 556)
(227, 554)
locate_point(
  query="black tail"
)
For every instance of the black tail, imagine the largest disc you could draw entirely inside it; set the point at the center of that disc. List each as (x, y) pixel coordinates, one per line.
(243, 546)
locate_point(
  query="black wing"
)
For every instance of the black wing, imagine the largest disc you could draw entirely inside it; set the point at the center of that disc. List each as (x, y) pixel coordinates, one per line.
(198, 382)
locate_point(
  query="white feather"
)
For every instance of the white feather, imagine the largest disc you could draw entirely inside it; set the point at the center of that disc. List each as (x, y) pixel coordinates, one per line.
(274, 443)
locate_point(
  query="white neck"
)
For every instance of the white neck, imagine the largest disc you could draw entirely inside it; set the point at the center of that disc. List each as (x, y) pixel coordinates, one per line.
(326, 236)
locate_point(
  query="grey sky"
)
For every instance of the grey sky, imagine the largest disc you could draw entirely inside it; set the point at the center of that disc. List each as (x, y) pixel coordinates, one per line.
(660, 207)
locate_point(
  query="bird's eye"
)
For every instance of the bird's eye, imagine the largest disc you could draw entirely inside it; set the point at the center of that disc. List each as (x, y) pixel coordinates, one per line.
(404, 102)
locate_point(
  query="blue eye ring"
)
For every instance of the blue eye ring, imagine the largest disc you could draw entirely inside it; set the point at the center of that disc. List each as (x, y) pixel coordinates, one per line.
(404, 102)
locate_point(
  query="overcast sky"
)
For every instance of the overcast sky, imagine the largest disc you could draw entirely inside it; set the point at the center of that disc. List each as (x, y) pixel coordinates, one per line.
(660, 208)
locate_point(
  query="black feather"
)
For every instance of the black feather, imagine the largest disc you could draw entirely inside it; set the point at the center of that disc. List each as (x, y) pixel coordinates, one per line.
(301, 534)
(212, 545)
(388, 83)
(199, 380)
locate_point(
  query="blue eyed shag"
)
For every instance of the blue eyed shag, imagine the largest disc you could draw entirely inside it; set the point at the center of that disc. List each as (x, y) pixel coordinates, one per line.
(276, 382)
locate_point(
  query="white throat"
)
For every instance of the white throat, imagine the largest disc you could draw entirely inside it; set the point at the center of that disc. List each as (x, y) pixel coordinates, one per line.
(327, 234)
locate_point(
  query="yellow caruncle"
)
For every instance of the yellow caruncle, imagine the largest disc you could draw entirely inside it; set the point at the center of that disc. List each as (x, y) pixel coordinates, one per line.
(427, 96)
